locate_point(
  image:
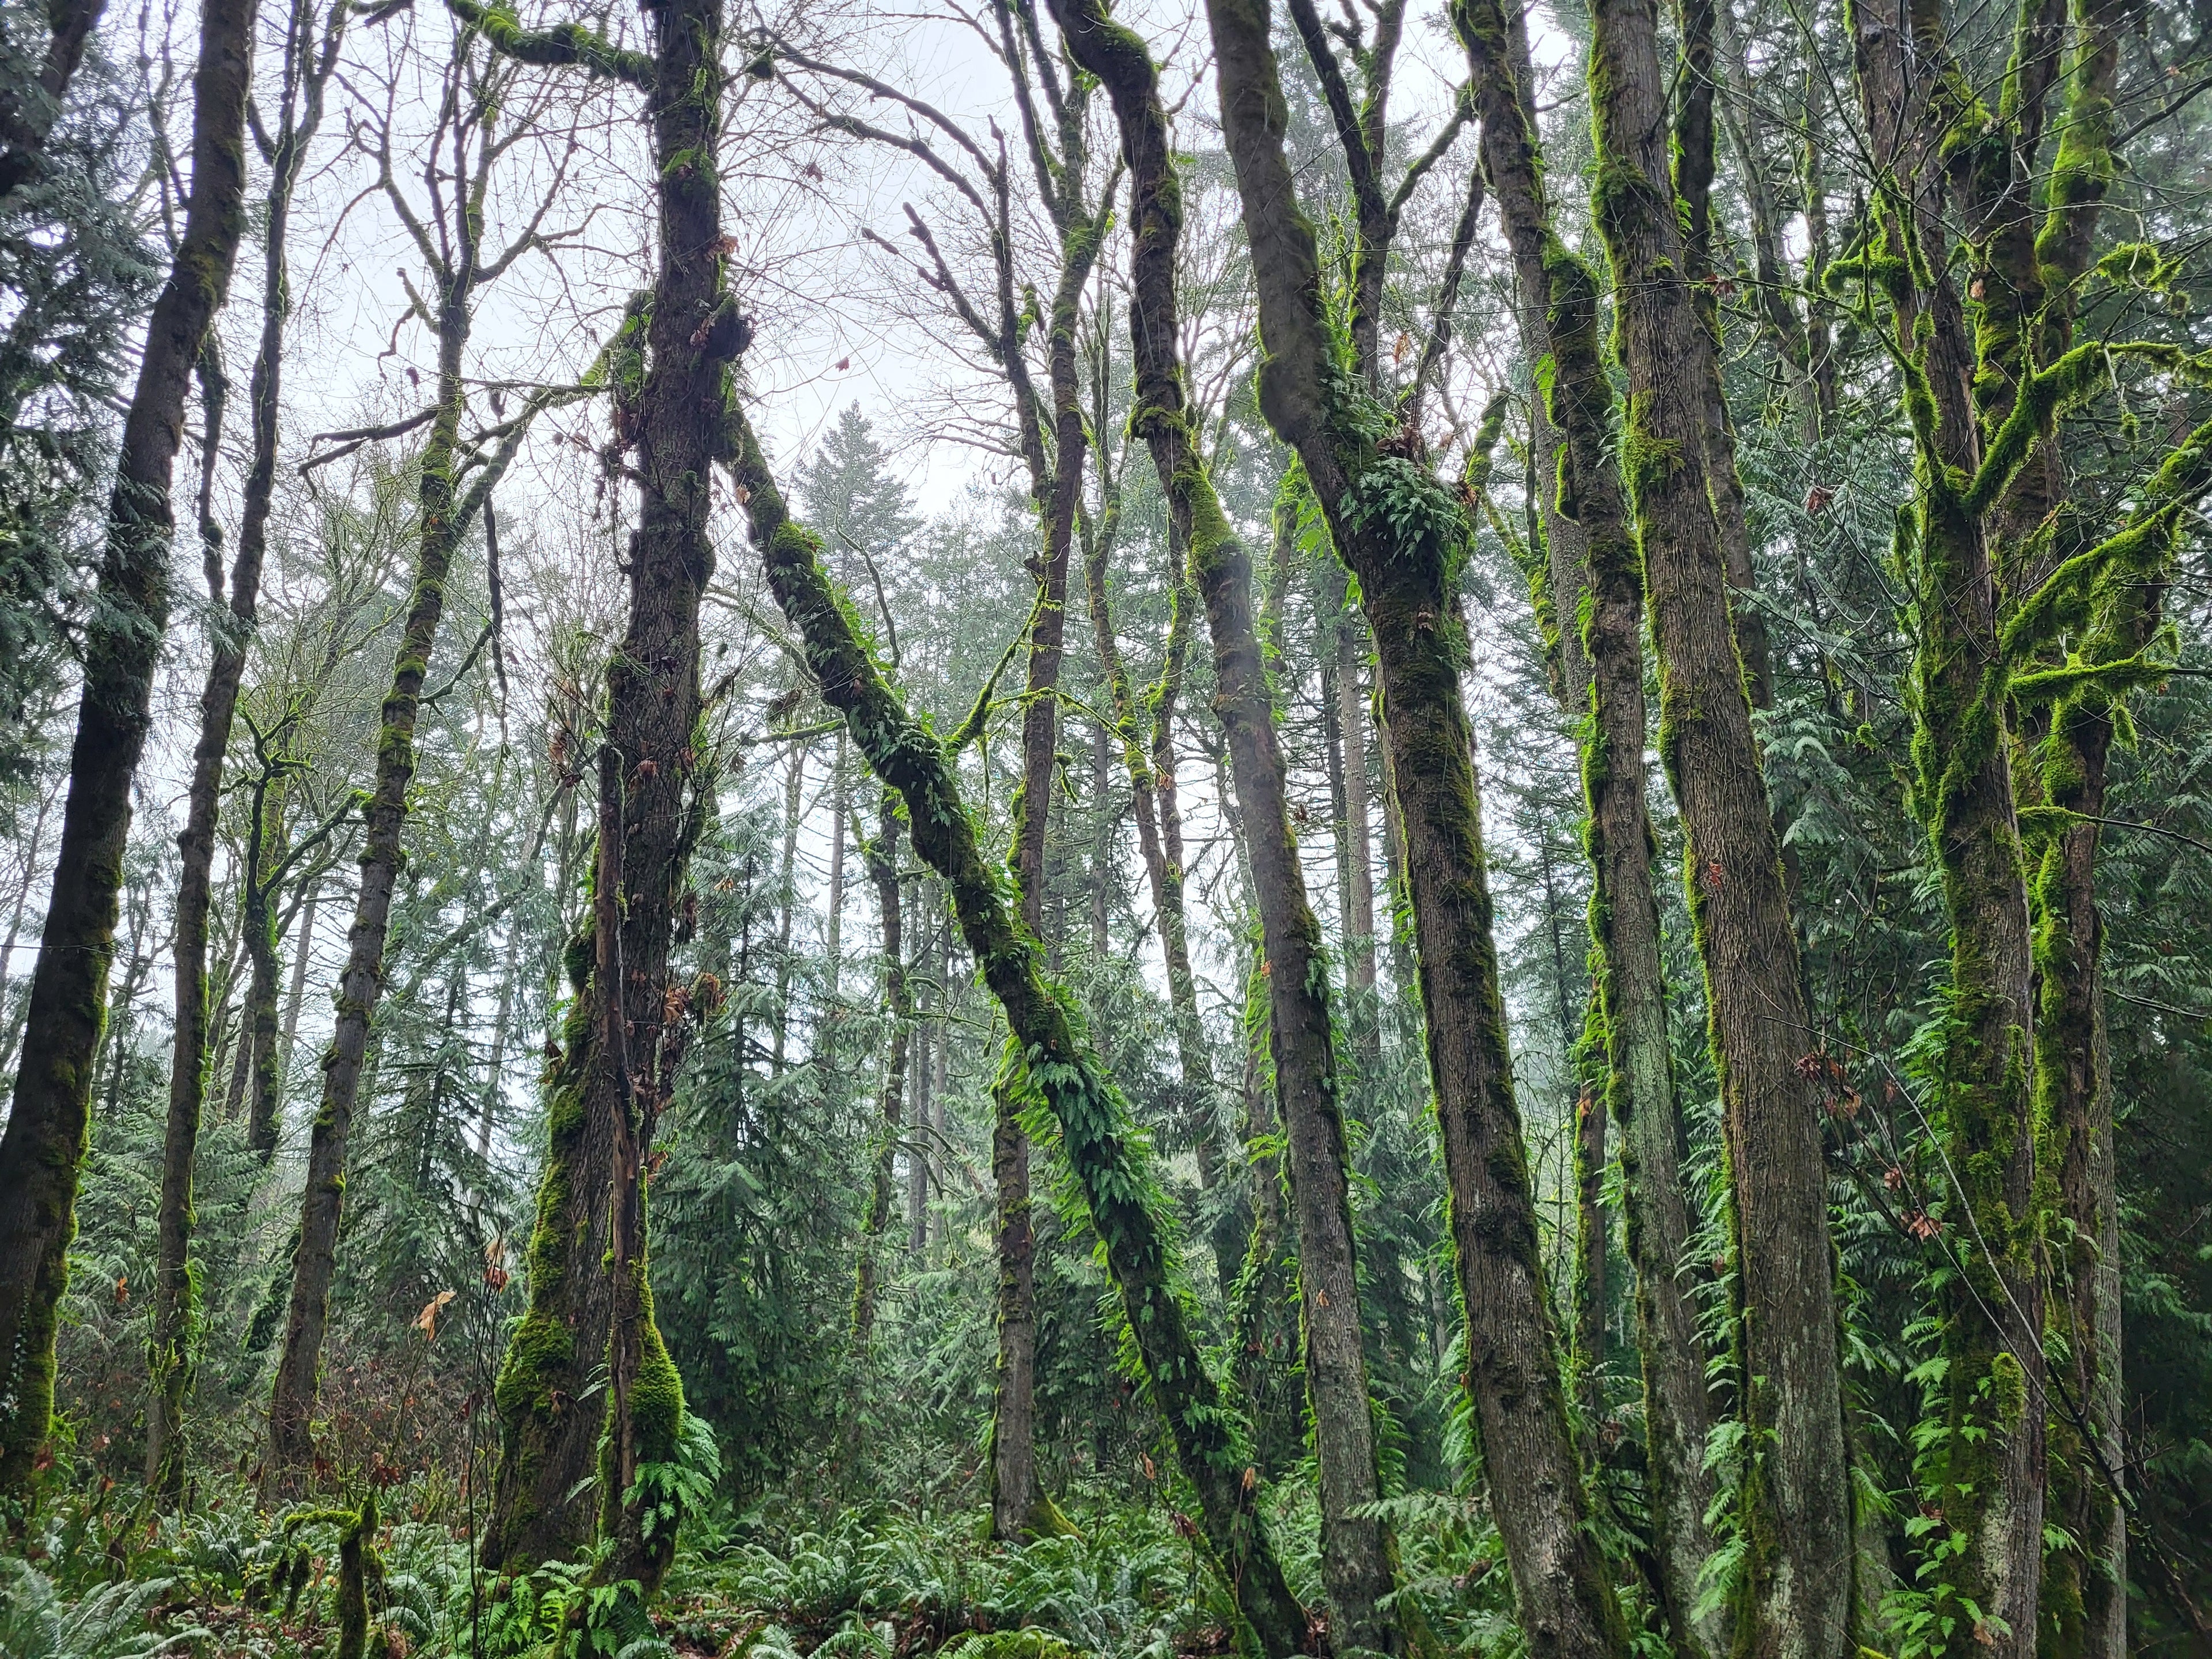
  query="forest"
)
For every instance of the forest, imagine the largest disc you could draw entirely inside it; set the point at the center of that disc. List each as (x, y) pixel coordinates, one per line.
(1025, 829)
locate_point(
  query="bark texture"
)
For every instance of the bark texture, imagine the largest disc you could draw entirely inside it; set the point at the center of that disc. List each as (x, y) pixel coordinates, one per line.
(44, 1146)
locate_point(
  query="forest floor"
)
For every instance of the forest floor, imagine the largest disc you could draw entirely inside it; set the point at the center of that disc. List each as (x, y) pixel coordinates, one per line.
(96, 1581)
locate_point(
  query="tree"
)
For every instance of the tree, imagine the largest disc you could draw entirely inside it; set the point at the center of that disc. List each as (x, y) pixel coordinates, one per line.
(43, 1149)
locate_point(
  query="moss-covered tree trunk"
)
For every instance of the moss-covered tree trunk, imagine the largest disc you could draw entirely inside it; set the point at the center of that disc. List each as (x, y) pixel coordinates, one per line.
(1126, 1206)
(48, 1124)
(1961, 365)
(309, 57)
(439, 525)
(1404, 537)
(1560, 293)
(2084, 1590)
(1796, 1500)
(1355, 1550)
(670, 368)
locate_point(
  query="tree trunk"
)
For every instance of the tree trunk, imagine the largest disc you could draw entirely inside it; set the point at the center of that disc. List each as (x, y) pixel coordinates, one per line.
(1353, 719)
(1113, 1174)
(261, 1137)
(1408, 586)
(2085, 1592)
(840, 810)
(1018, 1504)
(44, 1145)
(1563, 325)
(1355, 1549)
(1102, 824)
(1990, 1483)
(1159, 828)
(443, 521)
(882, 857)
(788, 900)
(675, 351)
(927, 1034)
(1796, 1501)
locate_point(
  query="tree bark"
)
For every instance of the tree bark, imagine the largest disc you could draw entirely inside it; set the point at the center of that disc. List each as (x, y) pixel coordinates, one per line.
(1795, 1500)
(1991, 1485)
(1405, 557)
(2085, 1592)
(1114, 1175)
(44, 1145)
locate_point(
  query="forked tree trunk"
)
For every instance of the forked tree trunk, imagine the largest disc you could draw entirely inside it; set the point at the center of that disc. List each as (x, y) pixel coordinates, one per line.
(44, 1145)
(1796, 1495)
(1124, 1199)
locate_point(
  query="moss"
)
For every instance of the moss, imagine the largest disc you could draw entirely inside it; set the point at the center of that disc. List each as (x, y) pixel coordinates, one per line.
(1111, 1170)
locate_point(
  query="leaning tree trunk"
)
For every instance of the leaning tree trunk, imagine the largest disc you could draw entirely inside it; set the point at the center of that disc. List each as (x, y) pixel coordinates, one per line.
(44, 1146)
(1560, 300)
(1404, 537)
(175, 1315)
(1796, 1500)
(361, 981)
(1355, 1548)
(1111, 1169)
